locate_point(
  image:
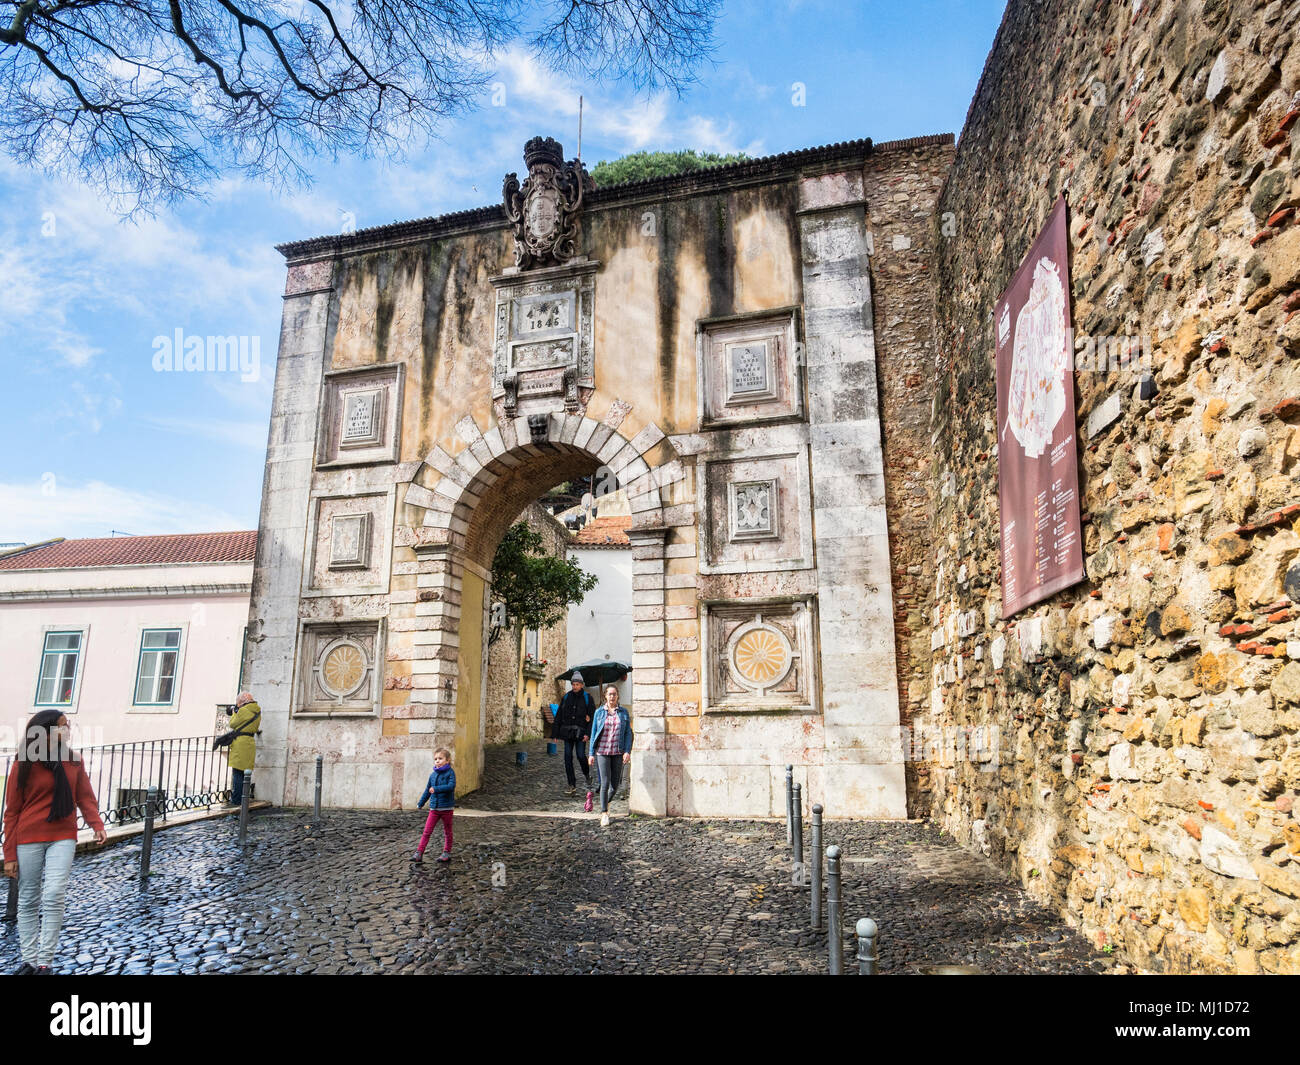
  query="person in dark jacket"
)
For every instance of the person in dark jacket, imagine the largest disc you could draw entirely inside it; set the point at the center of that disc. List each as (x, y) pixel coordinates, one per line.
(440, 794)
(573, 726)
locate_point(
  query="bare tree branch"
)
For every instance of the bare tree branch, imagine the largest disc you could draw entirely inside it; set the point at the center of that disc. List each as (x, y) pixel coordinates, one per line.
(150, 99)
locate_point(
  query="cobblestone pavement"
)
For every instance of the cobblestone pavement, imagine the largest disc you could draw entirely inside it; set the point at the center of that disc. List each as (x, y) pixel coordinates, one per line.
(539, 784)
(537, 894)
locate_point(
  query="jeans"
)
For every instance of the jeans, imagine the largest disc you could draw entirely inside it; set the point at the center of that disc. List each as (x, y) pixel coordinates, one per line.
(580, 748)
(610, 767)
(40, 909)
(237, 786)
(434, 817)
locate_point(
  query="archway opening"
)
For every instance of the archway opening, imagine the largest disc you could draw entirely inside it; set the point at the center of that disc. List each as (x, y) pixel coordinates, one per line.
(509, 687)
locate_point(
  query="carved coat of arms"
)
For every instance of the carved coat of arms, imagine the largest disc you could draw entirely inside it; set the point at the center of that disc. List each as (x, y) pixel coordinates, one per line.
(544, 210)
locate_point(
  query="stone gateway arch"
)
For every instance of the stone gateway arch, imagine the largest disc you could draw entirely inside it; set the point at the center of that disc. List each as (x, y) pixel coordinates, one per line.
(707, 342)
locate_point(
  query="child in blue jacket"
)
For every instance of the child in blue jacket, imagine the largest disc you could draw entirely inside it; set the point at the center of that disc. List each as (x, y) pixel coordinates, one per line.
(440, 794)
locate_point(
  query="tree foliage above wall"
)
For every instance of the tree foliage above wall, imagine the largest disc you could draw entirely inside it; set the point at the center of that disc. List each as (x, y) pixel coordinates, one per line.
(641, 165)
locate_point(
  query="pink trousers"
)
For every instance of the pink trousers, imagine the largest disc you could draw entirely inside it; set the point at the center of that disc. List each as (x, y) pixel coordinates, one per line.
(434, 817)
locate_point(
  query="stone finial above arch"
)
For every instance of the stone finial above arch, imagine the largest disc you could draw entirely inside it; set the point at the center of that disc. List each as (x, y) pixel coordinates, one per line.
(470, 499)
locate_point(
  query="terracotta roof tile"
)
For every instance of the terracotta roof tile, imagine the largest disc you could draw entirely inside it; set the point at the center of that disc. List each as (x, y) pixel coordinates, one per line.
(604, 532)
(135, 551)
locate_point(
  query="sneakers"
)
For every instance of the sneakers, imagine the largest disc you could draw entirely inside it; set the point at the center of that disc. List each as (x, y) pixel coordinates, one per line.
(25, 969)
(573, 790)
(417, 857)
(604, 820)
(445, 856)
(586, 806)
(44, 970)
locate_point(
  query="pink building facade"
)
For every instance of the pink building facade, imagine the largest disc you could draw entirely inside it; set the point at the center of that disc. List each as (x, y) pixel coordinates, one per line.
(134, 638)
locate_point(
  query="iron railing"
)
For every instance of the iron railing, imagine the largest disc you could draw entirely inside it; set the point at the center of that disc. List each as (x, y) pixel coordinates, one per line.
(188, 773)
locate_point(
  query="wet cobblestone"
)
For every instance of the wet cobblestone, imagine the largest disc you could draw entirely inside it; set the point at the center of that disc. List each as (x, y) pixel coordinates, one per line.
(537, 894)
(538, 785)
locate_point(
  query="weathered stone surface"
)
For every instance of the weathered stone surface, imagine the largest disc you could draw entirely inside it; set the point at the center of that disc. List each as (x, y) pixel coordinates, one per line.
(1194, 908)
(1191, 550)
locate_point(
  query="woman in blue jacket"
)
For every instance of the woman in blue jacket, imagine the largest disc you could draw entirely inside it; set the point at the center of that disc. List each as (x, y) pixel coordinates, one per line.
(610, 746)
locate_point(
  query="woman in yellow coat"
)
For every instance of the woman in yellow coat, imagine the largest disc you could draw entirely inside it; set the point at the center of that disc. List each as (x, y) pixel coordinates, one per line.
(243, 748)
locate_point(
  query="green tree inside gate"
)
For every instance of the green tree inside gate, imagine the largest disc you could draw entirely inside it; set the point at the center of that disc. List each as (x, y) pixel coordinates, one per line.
(536, 588)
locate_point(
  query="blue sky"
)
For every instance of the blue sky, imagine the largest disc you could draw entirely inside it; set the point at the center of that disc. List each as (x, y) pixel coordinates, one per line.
(98, 441)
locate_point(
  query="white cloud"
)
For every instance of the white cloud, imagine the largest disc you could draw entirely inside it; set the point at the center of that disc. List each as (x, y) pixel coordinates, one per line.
(87, 407)
(75, 349)
(707, 137)
(72, 254)
(53, 506)
(535, 94)
(250, 435)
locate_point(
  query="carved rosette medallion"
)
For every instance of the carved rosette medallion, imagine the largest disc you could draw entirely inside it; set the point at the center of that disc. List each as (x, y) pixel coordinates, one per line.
(760, 656)
(544, 210)
(343, 669)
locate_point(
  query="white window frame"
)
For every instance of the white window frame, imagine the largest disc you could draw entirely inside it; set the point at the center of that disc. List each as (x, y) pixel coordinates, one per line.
(48, 630)
(172, 707)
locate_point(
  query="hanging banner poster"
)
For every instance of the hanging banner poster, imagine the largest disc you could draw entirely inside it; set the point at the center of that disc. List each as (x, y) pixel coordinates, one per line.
(1038, 480)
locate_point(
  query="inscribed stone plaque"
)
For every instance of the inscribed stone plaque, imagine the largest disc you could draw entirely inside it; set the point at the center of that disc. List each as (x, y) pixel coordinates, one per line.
(543, 323)
(542, 355)
(542, 382)
(748, 365)
(361, 417)
(542, 316)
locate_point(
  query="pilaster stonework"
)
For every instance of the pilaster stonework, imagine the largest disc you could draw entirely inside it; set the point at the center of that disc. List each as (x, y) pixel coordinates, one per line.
(282, 525)
(649, 783)
(863, 755)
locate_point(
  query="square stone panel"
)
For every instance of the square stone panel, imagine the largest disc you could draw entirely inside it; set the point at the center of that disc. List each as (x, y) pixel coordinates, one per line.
(340, 667)
(349, 540)
(760, 655)
(749, 368)
(360, 416)
(754, 512)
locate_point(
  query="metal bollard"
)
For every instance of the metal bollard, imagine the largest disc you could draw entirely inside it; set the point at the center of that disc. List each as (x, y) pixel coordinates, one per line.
(789, 803)
(11, 903)
(320, 776)
(146, 840)
(162, 784)
(243, 808)
(797, 824)
(816, 856)
(867, 940)
(834, 936)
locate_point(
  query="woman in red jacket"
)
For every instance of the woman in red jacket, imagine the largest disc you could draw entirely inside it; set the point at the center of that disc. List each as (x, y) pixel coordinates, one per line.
(42, 796)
